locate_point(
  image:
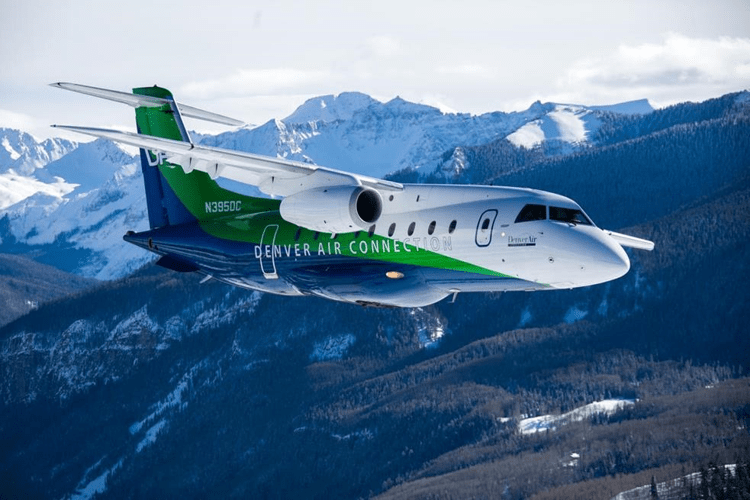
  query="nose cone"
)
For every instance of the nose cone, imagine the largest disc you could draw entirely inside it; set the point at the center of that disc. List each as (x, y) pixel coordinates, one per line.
(608, 260)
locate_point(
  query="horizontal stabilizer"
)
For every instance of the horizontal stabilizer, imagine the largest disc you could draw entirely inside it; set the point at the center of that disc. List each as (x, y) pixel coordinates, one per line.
(147, 101)
(631, 241)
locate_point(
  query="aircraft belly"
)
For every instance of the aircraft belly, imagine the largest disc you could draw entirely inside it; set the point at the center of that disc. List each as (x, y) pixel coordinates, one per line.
(362, 281)
(457, 281)
(339, 277)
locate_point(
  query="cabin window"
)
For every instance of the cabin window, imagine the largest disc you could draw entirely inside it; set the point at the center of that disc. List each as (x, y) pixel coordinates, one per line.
(452, 227)
(532, 212)
(371, 231)
(431, 229)
(485, 224)
(315, 236)
(392, 229)
(297, 234)
(569, 215)
(411, 228)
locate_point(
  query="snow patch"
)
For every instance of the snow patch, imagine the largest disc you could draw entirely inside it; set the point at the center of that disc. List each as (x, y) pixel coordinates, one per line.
(569, 126)
(333, 347)
(574, 314)
(565, 124)
(430, 339)
(173, 400)
(151, 434)
(429, 328)
(528, 136)
(95, 487)
(14, 155)
(526, 317)
(552, 422)
(457, 163)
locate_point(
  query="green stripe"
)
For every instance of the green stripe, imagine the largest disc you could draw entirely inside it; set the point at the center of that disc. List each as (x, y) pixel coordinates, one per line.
(249, 229)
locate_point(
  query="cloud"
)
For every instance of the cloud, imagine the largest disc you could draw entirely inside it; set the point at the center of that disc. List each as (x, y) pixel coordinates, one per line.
(678, 68)
(11, 119)
(383, 46)
(467, 70)
(245, 82)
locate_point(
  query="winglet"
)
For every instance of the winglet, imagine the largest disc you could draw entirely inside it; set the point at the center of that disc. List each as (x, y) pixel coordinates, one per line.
(630, 241)
(136, 101)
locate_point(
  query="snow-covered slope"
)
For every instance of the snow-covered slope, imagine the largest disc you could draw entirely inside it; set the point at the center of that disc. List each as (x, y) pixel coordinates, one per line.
(330, 108)
(72, 203)
(20, 156)
(639, 107)
(568, 126)
(565, 125)
(23, 154)
(552, 422)
(100, 198)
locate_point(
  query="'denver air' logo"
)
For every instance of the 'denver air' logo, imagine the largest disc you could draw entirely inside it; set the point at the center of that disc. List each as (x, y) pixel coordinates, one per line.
(522, 241)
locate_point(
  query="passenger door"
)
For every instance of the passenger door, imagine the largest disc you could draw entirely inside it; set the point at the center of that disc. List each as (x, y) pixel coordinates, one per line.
(484, 228)
(267, 250)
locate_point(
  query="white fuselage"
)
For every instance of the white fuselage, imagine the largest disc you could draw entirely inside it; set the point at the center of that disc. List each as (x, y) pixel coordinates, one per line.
(553, 252)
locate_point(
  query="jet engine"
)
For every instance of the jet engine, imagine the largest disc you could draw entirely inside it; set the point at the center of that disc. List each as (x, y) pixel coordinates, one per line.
(336, 209)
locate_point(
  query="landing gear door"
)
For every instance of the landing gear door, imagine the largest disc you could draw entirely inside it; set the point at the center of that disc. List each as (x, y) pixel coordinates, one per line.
(484, 228)
(268, 251)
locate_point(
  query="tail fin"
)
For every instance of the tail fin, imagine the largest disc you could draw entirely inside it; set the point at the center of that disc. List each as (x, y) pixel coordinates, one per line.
(164, 206)
(175, 195)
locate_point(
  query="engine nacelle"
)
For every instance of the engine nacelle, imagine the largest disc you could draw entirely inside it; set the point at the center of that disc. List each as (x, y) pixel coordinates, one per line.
(336, 209)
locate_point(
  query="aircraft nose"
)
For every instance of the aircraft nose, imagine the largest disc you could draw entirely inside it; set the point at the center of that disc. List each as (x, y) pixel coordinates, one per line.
(609, 260)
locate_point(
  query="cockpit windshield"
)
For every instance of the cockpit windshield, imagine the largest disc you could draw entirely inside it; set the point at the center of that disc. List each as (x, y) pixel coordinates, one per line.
(532, 212)
(569, 215)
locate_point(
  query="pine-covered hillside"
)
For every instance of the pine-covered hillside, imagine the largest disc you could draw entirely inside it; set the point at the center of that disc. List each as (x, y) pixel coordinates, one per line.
(25, 284)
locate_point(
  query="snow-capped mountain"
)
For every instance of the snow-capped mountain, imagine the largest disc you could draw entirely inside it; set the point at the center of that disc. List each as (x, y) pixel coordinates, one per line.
(568, 126)
(330, 108)
(72, 203)
(20, 156)
(356, 133)
(88, 199)
(23, 154)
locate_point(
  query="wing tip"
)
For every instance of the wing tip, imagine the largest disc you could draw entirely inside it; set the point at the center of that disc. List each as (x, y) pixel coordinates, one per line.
(626, 240)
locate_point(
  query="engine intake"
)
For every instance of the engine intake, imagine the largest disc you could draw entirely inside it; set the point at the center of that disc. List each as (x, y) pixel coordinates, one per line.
(337, 209)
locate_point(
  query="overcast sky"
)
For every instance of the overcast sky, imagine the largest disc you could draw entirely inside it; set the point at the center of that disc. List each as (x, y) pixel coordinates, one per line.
(262, 59)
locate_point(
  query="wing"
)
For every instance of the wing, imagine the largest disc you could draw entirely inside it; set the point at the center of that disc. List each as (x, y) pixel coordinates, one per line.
(273, 176)
(626, 240)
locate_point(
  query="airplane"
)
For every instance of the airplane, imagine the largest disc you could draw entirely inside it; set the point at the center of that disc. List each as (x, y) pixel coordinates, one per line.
(312, 230)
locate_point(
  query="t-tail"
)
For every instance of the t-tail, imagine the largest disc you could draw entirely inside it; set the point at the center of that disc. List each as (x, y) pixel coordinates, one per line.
(165, 206)
(176, 192)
